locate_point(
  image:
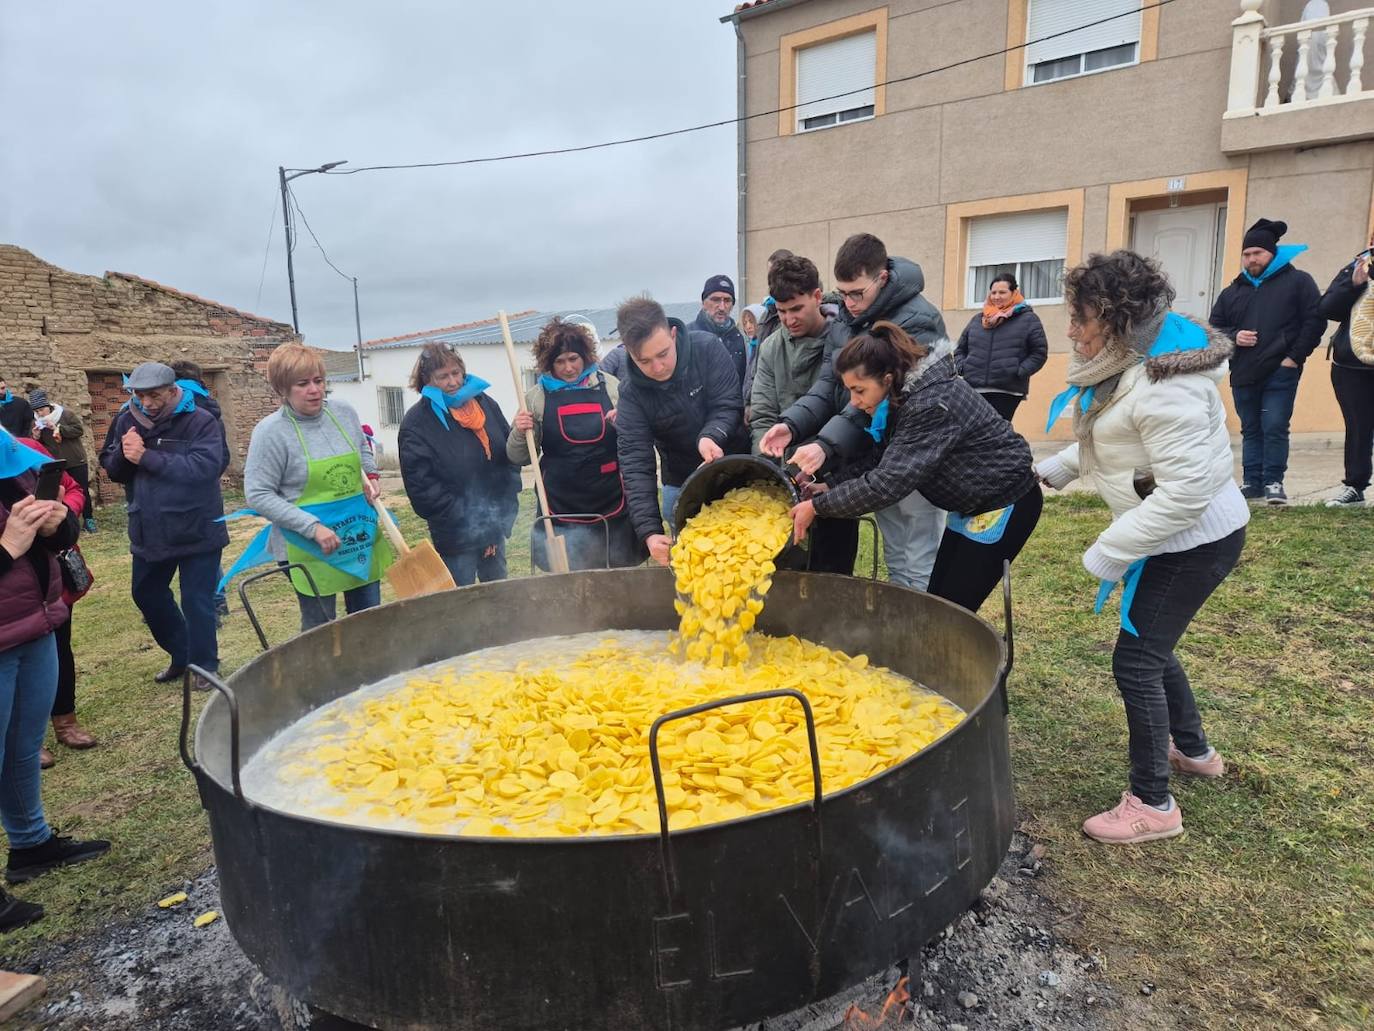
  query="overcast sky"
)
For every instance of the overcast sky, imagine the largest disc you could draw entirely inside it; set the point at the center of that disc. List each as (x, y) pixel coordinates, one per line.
(145, 138)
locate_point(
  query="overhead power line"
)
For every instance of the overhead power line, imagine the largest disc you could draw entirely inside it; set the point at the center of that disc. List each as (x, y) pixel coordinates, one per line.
(551, 151)
(306, 222)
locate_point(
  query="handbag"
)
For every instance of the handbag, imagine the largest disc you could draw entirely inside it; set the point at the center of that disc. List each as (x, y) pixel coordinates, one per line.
(1362, 328)
(77, 577)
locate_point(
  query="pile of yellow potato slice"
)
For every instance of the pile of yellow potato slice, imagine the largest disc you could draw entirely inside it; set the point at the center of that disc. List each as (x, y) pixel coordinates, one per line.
(723, 561)
(548, 749)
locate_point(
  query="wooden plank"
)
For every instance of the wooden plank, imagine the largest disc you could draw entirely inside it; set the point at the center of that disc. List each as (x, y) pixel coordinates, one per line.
(17, 991)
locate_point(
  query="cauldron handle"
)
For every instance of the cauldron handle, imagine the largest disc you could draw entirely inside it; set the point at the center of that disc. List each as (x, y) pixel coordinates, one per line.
(665, 841)
(1008, 636)
(603, 520)
(215, 683)
(285, 569)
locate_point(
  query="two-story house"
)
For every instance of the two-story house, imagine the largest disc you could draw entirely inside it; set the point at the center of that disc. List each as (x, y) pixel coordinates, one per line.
(979, 135)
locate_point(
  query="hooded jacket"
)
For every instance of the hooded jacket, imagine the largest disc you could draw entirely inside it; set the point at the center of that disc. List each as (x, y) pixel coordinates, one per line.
(1281, 306)
(730, 337)
(174, 494)
(1335, 306)
(1004, 357)
(71, 448)
(825, 412)
(943, 440)
(1165, 424)
(700, 399)
(785, 370)
(468, 500)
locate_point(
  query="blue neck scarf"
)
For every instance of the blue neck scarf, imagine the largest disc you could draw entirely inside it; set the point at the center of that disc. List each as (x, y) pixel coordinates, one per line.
(1285, 254)
(186, 404)
(877, 423)
(441, 402)
(553, 383)
(192, 387)
(15, 458)
(7, 398)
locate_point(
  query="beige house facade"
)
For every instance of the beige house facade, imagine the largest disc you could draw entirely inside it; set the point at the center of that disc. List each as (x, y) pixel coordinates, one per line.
(1026, 134)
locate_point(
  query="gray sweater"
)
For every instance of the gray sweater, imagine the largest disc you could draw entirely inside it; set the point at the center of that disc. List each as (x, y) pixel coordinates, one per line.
(275, 472)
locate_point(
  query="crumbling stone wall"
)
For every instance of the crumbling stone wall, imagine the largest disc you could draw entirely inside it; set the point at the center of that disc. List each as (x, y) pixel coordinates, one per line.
(73, 335)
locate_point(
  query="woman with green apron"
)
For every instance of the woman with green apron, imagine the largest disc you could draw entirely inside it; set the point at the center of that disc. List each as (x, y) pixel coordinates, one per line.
(310, 473)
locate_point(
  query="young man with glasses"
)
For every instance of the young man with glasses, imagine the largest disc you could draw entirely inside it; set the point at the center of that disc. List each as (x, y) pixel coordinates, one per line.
(873, 287)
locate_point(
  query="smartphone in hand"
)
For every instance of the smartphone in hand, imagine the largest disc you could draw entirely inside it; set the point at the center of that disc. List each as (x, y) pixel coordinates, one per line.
(50, 480)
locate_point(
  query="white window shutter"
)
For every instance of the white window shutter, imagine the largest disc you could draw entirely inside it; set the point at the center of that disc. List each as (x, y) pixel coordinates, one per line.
(839, 66)
(1023, 236)
(1050, 18)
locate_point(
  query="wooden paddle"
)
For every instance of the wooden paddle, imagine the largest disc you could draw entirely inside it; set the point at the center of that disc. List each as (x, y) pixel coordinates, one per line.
(416, 571)
(557, 549)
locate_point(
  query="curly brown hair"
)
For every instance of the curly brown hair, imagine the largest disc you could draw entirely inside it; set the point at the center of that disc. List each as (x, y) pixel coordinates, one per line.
(559, 337)
(1122, 290)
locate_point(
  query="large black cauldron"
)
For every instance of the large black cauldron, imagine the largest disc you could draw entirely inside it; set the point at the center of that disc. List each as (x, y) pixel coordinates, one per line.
(707, 928)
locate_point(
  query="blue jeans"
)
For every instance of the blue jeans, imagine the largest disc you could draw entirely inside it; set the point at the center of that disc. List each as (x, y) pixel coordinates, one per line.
(667, 503)
(28, 684)
(186, 634)
(912, 530)
(471, 565)
(319, 611)
(1265, 409)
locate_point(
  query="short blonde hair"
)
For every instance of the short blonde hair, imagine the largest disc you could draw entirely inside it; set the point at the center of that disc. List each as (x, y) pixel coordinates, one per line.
(292, 362)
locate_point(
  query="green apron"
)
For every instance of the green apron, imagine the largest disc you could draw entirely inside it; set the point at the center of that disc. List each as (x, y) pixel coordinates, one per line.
(330, 480)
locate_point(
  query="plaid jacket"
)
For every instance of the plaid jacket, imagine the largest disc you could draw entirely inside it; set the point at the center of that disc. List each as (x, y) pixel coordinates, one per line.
(945, 441)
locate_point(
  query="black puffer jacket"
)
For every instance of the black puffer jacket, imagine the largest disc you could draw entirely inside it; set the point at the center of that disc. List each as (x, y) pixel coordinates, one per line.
(730, 337)
(1282, 309)
(1336, 305)
(825, 411)
(1004, 357)
(945, 441)
(468, 500)
(701, 399)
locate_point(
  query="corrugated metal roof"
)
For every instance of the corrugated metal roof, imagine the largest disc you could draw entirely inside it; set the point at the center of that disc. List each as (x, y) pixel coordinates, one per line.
(524, 327)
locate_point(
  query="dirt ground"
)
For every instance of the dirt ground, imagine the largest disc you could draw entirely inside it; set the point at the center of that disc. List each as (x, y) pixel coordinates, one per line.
(1005, 964)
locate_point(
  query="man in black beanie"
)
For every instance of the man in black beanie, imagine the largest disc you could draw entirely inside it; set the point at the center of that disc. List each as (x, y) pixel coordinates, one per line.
(1271, 312)
(717, 300)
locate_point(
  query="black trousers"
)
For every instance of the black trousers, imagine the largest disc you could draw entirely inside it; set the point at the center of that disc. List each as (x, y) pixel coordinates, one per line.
(65, 702)
(831, 546)
(1004, 404)
(1159, 700)
(967, 571)
(1355, 394)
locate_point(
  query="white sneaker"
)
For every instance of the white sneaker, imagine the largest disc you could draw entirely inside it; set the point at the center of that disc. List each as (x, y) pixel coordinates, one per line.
(1348, 497)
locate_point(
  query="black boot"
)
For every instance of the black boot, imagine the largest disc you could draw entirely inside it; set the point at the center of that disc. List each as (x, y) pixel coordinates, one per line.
(169, 674)
(16, 913)
(27, 863)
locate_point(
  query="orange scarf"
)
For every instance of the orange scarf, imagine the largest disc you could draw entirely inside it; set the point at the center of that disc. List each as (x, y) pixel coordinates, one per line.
(992, 314)
(472, 417)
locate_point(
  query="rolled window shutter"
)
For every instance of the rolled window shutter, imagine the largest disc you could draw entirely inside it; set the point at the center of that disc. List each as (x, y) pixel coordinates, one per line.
(839, 66)
(1023, 236)
(1049, 18)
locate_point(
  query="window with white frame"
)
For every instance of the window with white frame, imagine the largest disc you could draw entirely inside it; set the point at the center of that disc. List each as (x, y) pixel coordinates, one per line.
(835, 81)
(1065, 38)
(391, 404)
(1029, 244)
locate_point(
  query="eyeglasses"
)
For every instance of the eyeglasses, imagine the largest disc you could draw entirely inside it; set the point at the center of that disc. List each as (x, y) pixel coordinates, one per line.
(857, 295)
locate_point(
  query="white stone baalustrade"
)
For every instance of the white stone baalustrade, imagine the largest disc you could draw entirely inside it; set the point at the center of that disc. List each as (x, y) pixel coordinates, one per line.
(1301, 65)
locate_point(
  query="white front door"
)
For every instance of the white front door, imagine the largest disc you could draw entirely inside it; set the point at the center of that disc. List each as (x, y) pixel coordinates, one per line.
(1184, 240)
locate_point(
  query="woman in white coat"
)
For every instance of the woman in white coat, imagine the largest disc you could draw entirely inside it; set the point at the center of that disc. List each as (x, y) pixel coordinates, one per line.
(1152, 440)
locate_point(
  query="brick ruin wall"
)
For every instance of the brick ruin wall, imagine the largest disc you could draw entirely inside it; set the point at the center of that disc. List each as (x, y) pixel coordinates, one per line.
(73, 336)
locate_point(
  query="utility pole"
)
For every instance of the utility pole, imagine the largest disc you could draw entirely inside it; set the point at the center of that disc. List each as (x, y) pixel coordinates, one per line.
(296, 173)
(358, 322)
(290, 271)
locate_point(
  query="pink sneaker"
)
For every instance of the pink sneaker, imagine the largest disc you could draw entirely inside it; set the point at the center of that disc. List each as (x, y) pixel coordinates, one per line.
(1180, 763)
(1133, 821)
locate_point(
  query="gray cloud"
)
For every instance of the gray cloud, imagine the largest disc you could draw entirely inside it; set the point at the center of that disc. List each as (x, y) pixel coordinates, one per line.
(148, 138)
